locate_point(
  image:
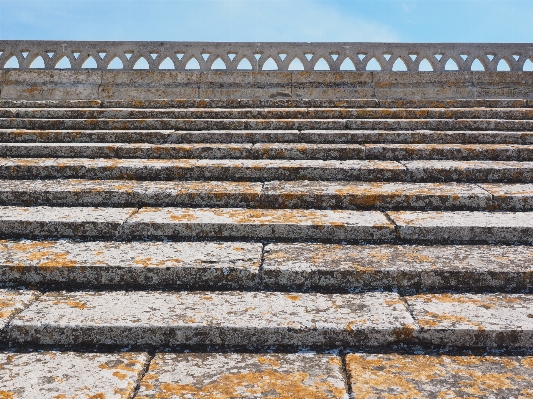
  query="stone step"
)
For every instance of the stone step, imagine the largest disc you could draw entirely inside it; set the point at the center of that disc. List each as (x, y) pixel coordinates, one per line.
(299, 267)
(269, 124)
(269, 113)
(303, 151)
(268, 224)
(432, 376)
(263, 170)
(273, 194)
(265, 136)
(231, 318)
(251, 375)
(271, 103)
(260, 319)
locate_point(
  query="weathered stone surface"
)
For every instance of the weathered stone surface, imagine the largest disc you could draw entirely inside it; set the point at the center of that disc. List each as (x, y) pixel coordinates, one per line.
(472, 171)
(376, 376)
(461, 226)
(373, 195)
(12, 302)
(236, 85)
(294, 224)
(118, 193)
(407, 268)
(425, 124)
(510, 196)
(474, 320)
(233, 376)
(332, 85)
(120, 264)
(466, 152)
(192, 169)
(503, 85)
(204, 318)
(42, 221)
(37, 375)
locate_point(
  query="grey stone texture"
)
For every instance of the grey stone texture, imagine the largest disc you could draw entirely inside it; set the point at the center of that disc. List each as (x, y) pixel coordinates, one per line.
(57, 375)
(225, 376)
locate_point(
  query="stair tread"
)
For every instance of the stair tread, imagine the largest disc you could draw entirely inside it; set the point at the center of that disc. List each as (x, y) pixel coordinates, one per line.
(229, 318)
(13, 302)
(425, 376)
(45, 374)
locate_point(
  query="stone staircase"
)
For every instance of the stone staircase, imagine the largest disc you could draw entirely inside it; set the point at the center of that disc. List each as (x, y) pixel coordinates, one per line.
(266, 248)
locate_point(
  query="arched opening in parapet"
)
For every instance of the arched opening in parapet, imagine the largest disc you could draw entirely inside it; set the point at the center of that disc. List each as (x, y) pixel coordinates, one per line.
(141, 64)
(64, 63)
(192, 64)
(425, 66)
(477, 66)
(218, 64)
(451, 65)
(116, 63)
(270, 65)
(399, 66)
(245, 65)
(528, 66)
(89, 63)
(37, 63)
(13, 62)
(322, 65)
(347, 65)
(503, 65)
(373, 65)
(296, 65)
(167, 64)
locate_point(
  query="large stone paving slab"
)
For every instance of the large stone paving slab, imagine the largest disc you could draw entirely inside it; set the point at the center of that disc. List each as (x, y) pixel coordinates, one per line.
(121, 264)
(434, 377)
(233, 376)
(232, 318)
(295, 224)
(368, 195)
(76, 375)
(461, 226)
(62, 222)
(510, 196)
(404, 267)
(474, 320)
(12, 302)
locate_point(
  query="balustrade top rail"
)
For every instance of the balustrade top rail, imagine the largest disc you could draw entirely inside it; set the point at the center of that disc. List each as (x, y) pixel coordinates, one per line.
(180, 56)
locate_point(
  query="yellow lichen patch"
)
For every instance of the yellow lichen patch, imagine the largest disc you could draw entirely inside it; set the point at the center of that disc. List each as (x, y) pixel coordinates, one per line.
(120, 376)
(99, 395)
(351, 325)
(527, 362)
(268, 360)
(27, 247)
(293, 297)
(7, 395)
(243, 385)
(450, 298)
(75, 304)
(58, 260)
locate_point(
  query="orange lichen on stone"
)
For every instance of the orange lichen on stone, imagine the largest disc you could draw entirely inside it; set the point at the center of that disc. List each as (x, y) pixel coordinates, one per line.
(244, 385)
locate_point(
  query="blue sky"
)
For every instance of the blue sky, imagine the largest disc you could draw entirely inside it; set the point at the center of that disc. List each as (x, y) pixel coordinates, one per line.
(269, 20)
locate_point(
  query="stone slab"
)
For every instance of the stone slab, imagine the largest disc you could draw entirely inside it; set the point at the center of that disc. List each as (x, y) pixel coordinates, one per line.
(231, 318)
(13, 302)
(375, 376)
(466, 152)
(37, 375)
(403, 268)
(510, 196)
(42, 221)
(474, 320)
(245, 85)
(65, 192)
(374, 195)
(260, 224)
(191, 169)
(470, 171)
(139, 264)
(225, 376)
(264, 136)
(462, 226)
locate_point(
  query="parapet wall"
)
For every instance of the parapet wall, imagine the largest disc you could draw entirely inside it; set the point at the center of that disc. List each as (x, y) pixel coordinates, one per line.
(208, 81)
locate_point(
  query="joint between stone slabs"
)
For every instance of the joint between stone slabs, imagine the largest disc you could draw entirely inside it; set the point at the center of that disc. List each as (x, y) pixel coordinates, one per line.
(120, 235)
(261, 269)
(391, 221)
(494, 205)
(36, 295)
(142, 373)
(347, 380)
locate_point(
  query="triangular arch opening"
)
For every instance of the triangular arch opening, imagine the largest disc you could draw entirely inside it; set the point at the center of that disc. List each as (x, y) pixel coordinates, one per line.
(37, 63)
(451, 65)
(141, 64)
(13, 62)
(193, 64)
(245, 65)
(89, 63)
(373, 65)
(218, 64)
(116, 63)
(321, 65)
(425, 66)
(503, 65)
(63, 63)
(528, 66)
(477, 66)
(270, 65)
(167, 64)
(296, 65)
(399, 66)
(347, 65)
